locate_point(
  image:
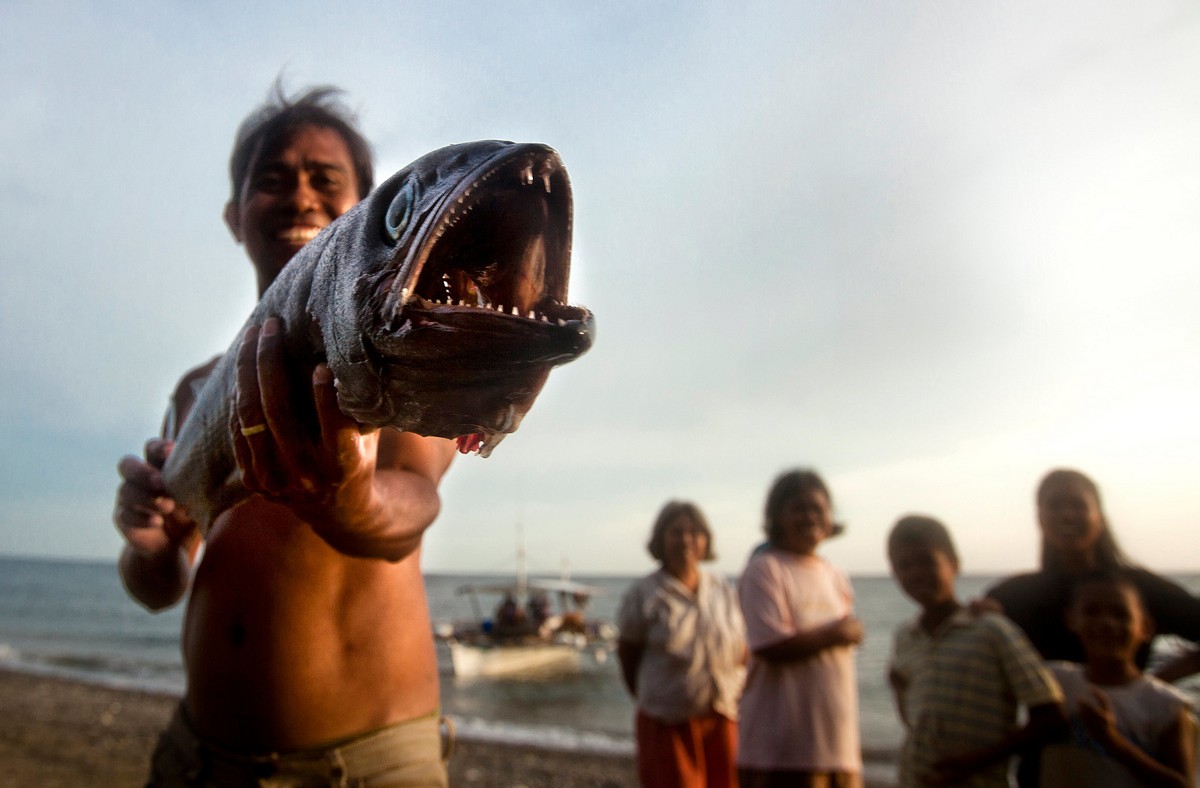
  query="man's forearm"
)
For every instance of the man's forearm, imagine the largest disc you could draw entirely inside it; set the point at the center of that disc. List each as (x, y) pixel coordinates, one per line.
(390, 524)
(158, 581)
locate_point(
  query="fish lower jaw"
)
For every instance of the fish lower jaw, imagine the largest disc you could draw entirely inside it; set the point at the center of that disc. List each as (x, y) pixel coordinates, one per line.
(405, 302)
(513, 311)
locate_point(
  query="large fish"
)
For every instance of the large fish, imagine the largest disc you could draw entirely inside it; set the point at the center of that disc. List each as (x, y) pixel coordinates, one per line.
(439, 303)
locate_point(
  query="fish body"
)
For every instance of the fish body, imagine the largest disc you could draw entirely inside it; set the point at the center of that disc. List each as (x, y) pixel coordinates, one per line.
(438, 302)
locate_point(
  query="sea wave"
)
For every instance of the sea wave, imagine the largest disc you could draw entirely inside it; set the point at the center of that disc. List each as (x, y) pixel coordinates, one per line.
(116, 672)
(551, 737)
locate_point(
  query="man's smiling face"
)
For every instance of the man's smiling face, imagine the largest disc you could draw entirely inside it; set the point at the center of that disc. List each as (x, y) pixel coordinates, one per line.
(290, 194)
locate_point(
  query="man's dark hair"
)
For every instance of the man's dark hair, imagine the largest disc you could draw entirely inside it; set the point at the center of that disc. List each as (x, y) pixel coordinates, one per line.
(279, 117)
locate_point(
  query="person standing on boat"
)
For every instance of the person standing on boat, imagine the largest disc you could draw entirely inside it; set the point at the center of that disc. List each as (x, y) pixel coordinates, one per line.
(682, 649)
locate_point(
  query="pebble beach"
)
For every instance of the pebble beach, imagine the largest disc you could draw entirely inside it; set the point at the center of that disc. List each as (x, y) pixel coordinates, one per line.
(59, 732)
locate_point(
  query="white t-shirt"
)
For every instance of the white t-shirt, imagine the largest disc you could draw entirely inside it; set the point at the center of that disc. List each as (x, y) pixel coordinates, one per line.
(1144, 710)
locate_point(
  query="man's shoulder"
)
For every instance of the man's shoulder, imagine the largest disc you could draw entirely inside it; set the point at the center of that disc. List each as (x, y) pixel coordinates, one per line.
(197, 375)
(184, 396)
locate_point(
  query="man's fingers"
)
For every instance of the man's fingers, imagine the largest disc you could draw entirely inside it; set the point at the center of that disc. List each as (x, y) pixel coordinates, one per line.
(339, 432)
(272, 434)
(275, 395)
(281, 446)
(137, 473)
(242, 454)
(249, 401)
(137, 510)
(253, 447)
(157, 450)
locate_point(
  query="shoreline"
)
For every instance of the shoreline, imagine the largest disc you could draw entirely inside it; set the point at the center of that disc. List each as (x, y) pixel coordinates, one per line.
(60, 731)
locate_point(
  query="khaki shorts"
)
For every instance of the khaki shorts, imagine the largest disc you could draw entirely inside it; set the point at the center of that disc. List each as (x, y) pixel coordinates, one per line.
(410, 753)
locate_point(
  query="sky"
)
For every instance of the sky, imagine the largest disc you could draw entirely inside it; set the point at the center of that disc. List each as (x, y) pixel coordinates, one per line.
(930, 249)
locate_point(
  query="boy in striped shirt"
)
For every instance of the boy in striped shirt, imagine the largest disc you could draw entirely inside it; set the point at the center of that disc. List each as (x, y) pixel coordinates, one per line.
(960, 677)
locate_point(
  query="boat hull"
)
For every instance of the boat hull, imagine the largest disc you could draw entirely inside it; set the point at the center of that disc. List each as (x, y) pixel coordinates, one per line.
(500, 660)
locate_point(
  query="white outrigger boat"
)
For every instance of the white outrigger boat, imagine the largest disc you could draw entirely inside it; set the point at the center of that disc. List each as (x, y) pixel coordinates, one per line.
(527, 635)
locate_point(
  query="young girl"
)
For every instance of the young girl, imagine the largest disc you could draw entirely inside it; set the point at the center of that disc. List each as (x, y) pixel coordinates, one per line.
(1126, 728)
(799, 710)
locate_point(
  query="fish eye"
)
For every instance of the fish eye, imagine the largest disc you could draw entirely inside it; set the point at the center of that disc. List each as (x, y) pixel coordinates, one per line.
(399, 213)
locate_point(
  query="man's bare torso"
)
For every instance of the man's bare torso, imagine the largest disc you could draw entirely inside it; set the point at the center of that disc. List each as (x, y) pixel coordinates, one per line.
(288, 643)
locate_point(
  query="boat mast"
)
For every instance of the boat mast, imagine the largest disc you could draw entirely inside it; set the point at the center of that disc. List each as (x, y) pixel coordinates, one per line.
(522, 571)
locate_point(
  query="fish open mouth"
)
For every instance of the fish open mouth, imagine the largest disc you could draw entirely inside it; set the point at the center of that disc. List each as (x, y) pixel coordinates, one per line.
(498, 250)
(478, 307)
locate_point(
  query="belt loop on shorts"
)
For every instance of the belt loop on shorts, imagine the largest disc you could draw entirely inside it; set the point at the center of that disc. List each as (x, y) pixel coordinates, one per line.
(337, 769)
(449, 737)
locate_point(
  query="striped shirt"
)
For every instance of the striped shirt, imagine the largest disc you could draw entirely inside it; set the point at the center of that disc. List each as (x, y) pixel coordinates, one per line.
(960, 689)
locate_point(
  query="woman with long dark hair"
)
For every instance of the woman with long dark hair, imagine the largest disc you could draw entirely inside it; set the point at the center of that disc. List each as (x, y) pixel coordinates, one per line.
(1077, 540)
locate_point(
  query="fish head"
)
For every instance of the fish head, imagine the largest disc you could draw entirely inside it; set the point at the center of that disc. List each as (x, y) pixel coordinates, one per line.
(467, 308)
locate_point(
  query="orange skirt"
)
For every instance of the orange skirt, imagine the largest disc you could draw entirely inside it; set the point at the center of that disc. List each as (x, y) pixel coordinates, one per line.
(700, 752)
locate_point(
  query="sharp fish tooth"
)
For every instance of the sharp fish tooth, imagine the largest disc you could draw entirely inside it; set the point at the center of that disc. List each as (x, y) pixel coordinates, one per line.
(546, 182)
(527, 175)
(516, 311)
(531, 315)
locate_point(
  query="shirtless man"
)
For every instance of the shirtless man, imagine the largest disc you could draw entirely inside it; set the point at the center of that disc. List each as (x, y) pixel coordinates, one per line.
(307, 637)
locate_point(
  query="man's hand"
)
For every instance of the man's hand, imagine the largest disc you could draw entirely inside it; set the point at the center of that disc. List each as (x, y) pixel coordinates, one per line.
(145, 514)
(160, 539)
(322, 476)
(366, 493)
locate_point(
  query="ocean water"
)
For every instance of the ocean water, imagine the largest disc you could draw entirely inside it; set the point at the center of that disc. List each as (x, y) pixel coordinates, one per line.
(74, 619)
